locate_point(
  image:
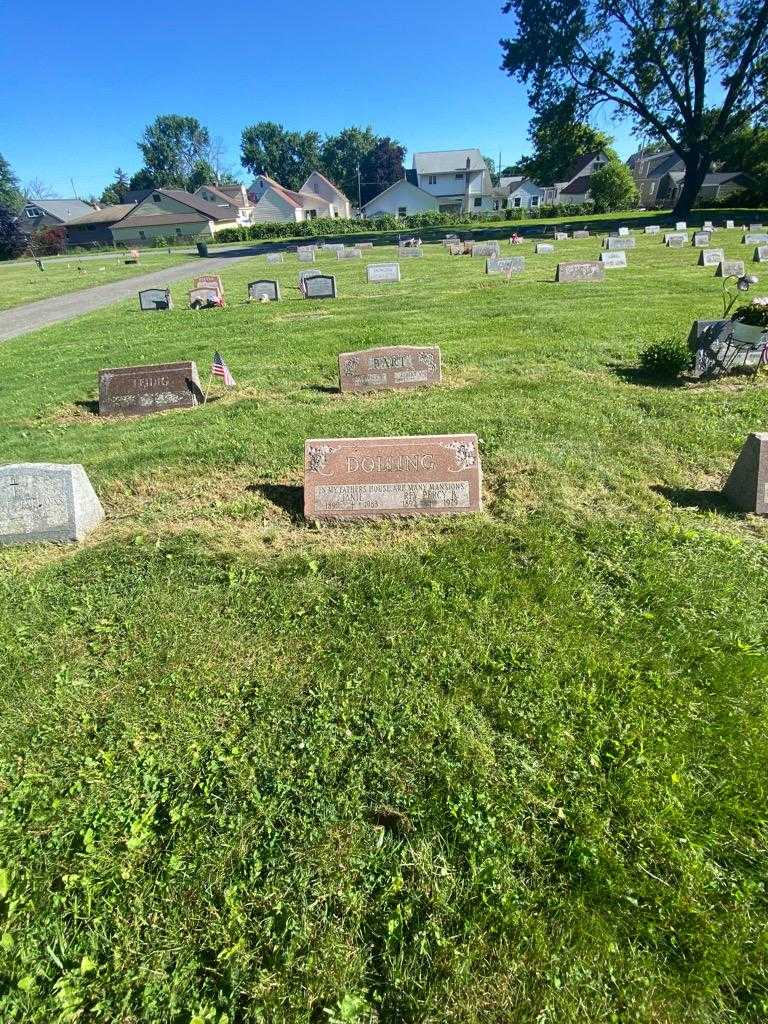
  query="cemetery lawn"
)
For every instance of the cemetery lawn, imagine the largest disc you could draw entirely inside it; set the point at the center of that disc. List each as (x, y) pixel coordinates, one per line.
(22, 283)
(502, 768)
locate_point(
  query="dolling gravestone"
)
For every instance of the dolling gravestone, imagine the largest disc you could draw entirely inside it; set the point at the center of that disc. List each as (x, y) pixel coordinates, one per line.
(154, 299)
(711, 257)
(730, 268)
(382, 272)
(139, 390)
(394, 367)
(260, 290)
(320, 286)
(574, 272)
(544, 247)
(611, 260)
(747, 485)
(505, 265)
(613, 243)
(46, 501)
(353, 478)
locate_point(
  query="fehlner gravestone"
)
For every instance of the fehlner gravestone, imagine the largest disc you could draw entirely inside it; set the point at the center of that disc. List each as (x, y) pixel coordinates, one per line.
(610, 260)
(46, 501)
(395, 367)
(505, 265)
(138, 390)
(576, 272)
(730, 268)
(353, 478)
(379, 272)
(747, 486)
(259, 291)
(155, 298)
(711, 257)
(320, 286)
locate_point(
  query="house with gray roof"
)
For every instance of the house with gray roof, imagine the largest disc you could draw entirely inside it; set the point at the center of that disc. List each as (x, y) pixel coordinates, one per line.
(94, 228)
(173, 213)
(51, 213)
(659, 179)
(458, 179)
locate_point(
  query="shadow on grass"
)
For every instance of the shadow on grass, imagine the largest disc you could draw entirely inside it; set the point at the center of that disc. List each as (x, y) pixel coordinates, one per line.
(641, 378)
(92, 407)
(288, 497)
(322, 389)
(703, 500)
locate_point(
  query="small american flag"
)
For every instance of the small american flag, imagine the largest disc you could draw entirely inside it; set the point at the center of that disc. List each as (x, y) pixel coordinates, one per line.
(220, 369)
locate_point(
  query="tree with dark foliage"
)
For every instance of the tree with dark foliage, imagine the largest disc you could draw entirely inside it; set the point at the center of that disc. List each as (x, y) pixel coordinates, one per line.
(13, 241)
(658, 62)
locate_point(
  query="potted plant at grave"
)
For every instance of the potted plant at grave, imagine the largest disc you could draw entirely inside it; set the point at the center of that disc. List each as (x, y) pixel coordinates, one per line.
(750, 322)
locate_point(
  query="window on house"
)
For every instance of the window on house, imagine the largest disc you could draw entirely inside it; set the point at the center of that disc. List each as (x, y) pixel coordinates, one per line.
(178, 231)
(432, 179)
(534, 200)
(33, 211)
(495, 204)
(478, 201)
(156, 198)
(460, 176)
(402, 211)
(142, 235)
(310, 215)
(517, 201)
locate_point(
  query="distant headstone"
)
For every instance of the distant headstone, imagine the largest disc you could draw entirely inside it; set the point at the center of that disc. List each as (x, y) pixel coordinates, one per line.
(456, 249)
(756, 227)
(348, 254)
(542, 247)
(364, 245)
(623, 232)
(209, 281)
(580, 234)
(747, 486)
(486, 249)
(576, 272)
(681, 225)
(205, 298)
(561, 236)
(333, 246)
(676, 241)
(155, 298)
(320, 286)
(138, 390)
(761, 254)
(730, 268)
(701, 239)
(390, 368)
(613, 243)
(730, 224)
(412, 251)
(652, 229)
(274, 257)
(261, 290)
(755, 239)
(352, 478)
(711, 257)
(506, 265)
(380, 272)
(610, 260)
(708, 226)
(306, 255)
(46, 501)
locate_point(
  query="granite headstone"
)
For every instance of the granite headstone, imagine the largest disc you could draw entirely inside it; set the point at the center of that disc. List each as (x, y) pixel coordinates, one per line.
(139, 390)
(574, 272)
(395, 367)
(46, 501)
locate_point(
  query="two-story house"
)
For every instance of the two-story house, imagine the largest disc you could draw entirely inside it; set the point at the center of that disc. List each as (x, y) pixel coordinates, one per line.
(659, 179)
(317, 197)
(450, 181)
(51, 213)
(231, 199)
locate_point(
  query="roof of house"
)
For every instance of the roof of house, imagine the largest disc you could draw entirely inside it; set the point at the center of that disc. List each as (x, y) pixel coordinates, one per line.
(143, 220)
(720, 177)
(448, 160)
(64, 210)
(106, 215)
(290, 197)
(326, 180)
(211, 211)
(233, 200)
(509, 181)
(396, 184)
(230, 191)
(580, 163)
(578, 187)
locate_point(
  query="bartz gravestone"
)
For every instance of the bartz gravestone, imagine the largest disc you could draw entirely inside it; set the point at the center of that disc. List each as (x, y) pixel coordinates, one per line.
(394, 367)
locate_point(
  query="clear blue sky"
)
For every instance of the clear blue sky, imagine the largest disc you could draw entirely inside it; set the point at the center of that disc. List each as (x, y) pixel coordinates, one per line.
(80, 81)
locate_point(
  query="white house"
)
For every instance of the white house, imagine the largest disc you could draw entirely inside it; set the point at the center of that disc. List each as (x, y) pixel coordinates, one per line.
(523, 193)
(400, 200)
(232, 200)
(318, 197)
(318, 185)
(575, 187)
(458, 178)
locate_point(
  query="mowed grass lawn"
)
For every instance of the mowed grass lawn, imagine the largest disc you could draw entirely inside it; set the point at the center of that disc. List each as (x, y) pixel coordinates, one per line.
(502, 768)
(21, 283)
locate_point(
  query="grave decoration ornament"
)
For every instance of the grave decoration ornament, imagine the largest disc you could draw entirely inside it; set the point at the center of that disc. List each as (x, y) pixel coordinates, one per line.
(735, 345)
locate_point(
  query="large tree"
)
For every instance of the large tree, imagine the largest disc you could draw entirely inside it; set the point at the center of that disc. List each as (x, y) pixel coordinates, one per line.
(172, 148)
(288, 157)
(117, 190)
(381, 166)
(746, 150)
(612, 187)
(13, 241)
(559, 138)
(341, 155)
(658, 62)
(10, 193)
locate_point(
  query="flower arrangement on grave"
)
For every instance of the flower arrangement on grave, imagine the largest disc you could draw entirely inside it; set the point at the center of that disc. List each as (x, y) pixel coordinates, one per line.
(750, 322)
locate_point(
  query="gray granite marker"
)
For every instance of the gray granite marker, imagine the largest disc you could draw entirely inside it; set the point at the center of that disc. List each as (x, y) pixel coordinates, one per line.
(506, 265)
(711, 257)
(730, 268)
(46, 501)
(611, 260)
(747, 486)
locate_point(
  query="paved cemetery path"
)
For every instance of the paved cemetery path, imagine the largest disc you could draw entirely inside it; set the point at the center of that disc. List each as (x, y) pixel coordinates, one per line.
(24, 319)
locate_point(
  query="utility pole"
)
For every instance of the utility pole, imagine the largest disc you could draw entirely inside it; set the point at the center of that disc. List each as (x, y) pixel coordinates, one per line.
(359, 191)
(74, 190)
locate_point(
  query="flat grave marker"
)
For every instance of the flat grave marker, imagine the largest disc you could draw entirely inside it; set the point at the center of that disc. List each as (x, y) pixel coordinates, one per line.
(139, 390)
(382, 272)
(394, 367)
(371, 477)
(320, 286)
(505, 265)
(612, 260)
(730, 268)
(577, 272)
(543, 247)
(152, 299)
(46, 501)
(259, 291)
(711, 257)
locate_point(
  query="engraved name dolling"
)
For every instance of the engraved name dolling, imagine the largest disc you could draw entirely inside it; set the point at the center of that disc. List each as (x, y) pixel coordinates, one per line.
(389, 464)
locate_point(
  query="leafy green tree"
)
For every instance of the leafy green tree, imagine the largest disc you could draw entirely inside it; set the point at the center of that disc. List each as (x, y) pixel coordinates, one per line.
(288, 157)
(342, 154)
(491, 165)
(172, 147)
(656, 62)
(115, 192)
(10, 193)
(559, 139)
(201, 174)
(613, 188)
(746, 150)
(13, 241)
(143, 179)
(380, 167)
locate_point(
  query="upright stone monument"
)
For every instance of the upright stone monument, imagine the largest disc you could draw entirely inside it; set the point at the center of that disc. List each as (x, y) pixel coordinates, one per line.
(730, 268)
(614, 244)
(711, 257)
(505, 265)
(761, 254)
(395, 367)
(652, 229)
(46, 501)
(612, 260)
(580, 234)
(747, 486)
(152, 299)
(381, 272)
(320, 286)
(578, 272)
(544, 247)
(353, 478)
(139, 390)
(260, 291)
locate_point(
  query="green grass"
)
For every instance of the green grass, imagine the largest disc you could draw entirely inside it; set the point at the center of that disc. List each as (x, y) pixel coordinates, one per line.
(21, 283)
(503, 768)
